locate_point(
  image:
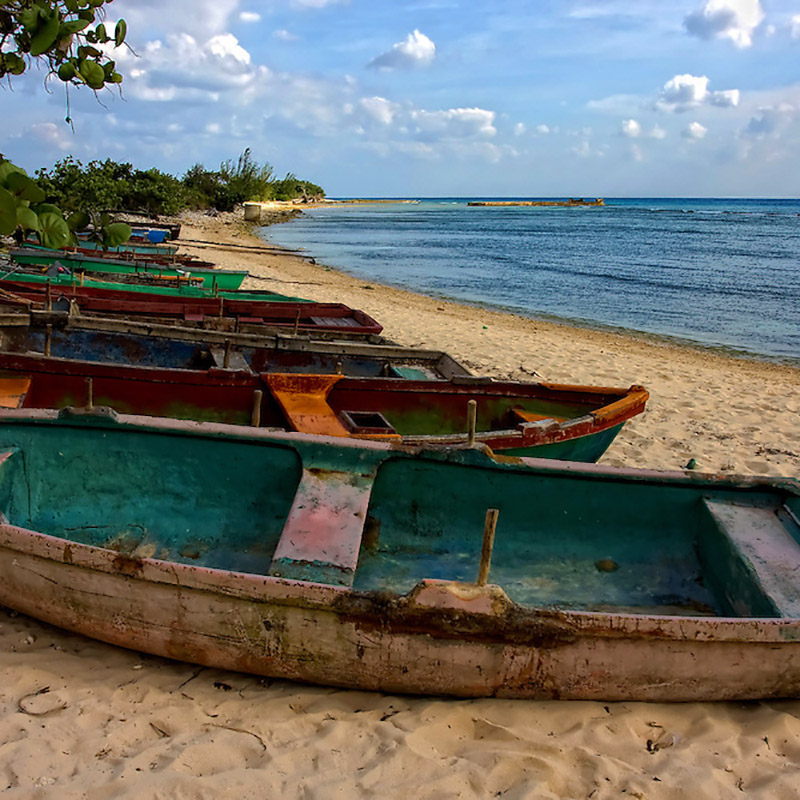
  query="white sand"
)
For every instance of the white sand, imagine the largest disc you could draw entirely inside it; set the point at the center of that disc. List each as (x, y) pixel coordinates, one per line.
(117, 724)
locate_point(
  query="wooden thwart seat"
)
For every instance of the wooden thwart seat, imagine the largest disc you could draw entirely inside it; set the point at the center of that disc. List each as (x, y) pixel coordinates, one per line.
(13, 391)
(322, 535)
(304, 401)
(758, 562)
(521, 415)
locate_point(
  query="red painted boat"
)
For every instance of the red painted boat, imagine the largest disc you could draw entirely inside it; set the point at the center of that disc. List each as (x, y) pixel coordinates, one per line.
(305, 317)
(275, 388)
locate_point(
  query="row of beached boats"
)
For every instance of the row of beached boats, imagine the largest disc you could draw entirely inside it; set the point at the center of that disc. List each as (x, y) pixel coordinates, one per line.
(256, 482)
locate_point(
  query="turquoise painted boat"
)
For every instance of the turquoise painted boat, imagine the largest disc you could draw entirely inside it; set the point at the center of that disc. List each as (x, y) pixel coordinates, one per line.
(8, 279)
(380, 567)
(221, 278)
(140, 248)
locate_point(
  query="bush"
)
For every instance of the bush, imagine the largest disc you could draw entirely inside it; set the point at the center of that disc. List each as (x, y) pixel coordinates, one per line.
(113, 187)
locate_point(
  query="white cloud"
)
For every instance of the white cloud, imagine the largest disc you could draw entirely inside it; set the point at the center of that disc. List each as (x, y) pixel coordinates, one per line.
(794, 26)
(726, 98)
(519, 129)
(417, 50)
(543, 129)
(657, 133)
(631, 128)
(249, 16)
(636, 153)
(51, 134)
(379, 109)
(284, 35)
(186, 70)
(201, 19)
(695, 131)
(736, 20)
(684, 92)
(772, 121)
(316, 3)
(583, 150)
(454, 123)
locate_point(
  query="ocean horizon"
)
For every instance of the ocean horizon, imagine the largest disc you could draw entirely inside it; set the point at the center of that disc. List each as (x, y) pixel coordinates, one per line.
(720, 273)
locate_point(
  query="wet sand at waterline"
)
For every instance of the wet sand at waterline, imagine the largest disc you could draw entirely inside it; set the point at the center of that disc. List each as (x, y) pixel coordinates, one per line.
(114, 723)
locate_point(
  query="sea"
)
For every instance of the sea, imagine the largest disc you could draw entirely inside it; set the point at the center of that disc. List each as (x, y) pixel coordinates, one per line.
(715, 273)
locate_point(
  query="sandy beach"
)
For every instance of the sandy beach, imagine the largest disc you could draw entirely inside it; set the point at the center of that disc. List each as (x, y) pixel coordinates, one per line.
(86, 720)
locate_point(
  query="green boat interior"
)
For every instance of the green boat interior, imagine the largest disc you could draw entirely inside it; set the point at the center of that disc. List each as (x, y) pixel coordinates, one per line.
(677, 546)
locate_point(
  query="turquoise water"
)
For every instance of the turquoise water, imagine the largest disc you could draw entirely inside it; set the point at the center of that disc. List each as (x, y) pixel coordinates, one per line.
(719, 273)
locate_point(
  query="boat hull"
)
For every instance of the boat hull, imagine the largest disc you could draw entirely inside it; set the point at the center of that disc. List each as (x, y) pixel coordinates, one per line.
(440, 637)
(310, 392)
(297, 317)
(223, 279)
(285, 629)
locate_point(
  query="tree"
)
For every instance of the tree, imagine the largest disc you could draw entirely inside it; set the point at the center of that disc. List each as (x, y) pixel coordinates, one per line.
(63, 35)
(67, 37)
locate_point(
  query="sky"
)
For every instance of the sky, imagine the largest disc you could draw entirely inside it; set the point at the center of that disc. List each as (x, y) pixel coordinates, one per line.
(415, 98)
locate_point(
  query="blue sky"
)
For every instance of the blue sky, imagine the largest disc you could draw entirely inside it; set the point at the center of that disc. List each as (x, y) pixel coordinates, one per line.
(446, 97)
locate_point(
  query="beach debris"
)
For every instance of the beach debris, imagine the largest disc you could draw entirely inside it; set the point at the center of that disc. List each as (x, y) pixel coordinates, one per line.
(162, 734)
(192, 677)
(240, 730)
(28, 705)
(662, 742)
(226, 687)
(606, 565)
(692, 463)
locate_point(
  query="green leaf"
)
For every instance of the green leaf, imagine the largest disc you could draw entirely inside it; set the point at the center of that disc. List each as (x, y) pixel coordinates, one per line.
(45, 36)
(116, 233)
(27, 219)
(67, 71)
(7, 169)
(29, 18)
(47, 208)
(100, 33)
(24, 188)
(78, 220)
(92, 73)
(8, 212)
(13, 63)
(73, 26)
(53, 231)
(120, 32)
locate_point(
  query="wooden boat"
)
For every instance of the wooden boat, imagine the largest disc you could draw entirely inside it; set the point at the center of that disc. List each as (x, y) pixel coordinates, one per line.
(125, 343)
(22, 280)
(222, 311)
(143, 254)
(221, 278)
(144, 375)
(335, 562)
(151, 231)
(129, 248)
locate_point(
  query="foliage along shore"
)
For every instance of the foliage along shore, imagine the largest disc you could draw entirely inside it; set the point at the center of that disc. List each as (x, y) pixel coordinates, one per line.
(119, 187)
